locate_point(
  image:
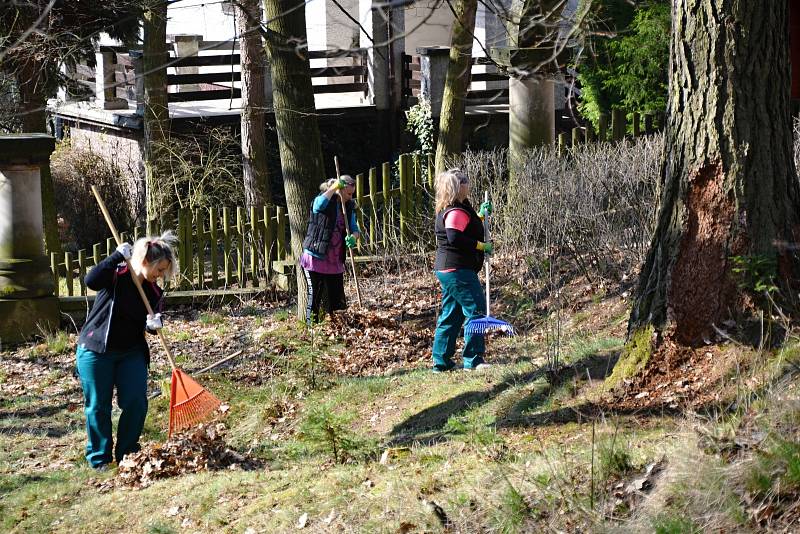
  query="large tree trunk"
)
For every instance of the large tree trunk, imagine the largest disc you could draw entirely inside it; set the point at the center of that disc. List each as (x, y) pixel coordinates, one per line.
(454, 99)
(254, 141)
(33, 80)
(156, 113)
(729, 183)
(295, 119)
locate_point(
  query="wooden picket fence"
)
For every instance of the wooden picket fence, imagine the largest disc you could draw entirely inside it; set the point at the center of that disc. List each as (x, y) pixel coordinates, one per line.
(614, 130)
(237, 247)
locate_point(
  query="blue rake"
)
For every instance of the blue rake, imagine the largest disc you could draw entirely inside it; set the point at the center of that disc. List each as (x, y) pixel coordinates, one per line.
(483, 325)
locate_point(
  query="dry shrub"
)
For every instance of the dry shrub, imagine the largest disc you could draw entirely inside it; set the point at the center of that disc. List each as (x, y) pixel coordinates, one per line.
(200, 170)
(75, 169)
(598, 198)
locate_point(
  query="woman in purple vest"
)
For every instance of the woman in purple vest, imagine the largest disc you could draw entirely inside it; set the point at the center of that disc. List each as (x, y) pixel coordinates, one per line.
(460, 251)
(323, 256)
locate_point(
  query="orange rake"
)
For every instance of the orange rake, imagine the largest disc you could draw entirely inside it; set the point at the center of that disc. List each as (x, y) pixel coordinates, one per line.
(189, 402)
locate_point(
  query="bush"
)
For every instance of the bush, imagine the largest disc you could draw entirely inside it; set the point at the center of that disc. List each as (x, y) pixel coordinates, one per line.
(75, 170)
(596, 206)
(201, 170)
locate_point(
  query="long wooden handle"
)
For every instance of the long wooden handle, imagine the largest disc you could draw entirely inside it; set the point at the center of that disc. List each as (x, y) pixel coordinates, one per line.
(347, 229)
(134, 277)
(486, 256)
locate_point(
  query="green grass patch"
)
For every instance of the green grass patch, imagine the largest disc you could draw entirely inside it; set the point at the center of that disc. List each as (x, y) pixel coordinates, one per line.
(282, 315)
(180, 335)
(329, 432)
(31, 502)
(667, 523)
(476, 428)
(582, 348)
(57, 342)
(513, 510)
(776, 469)
(211, 318)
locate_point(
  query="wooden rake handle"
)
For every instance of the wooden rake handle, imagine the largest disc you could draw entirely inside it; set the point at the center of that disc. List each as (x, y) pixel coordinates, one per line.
(486, 256)
(135, 278)
(347, 229)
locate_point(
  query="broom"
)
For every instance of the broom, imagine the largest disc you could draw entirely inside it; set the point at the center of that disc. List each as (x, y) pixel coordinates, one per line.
(189, 402)
(487, 323)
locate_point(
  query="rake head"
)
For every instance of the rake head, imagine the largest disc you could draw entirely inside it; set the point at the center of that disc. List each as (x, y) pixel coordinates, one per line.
(189, 402)
(483, 325)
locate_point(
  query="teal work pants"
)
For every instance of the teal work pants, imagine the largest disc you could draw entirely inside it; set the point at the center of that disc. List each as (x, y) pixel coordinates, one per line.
(462, 300)
(125, 370)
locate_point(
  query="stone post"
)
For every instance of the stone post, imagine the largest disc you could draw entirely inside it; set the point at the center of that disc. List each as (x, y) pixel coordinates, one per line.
(138, 71)
(105, 79)
(187, 45)
(27, 304)
(375, 24)
(433, 61)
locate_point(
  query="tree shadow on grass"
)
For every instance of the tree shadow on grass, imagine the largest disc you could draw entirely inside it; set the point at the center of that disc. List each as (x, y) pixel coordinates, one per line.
(42, 411)
(49, 430)
(583, 413)
(427, 426)
(596, 366)
(16, 481)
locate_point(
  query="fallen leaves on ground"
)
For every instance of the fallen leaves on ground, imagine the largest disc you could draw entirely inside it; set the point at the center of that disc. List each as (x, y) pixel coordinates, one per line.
(377, 342)
(675, 376)
(201, 449)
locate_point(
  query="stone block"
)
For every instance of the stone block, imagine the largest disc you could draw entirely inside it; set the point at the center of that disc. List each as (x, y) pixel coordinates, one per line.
(21, 319)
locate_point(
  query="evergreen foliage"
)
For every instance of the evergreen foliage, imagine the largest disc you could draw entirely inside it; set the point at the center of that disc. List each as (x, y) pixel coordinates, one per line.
(628, 60)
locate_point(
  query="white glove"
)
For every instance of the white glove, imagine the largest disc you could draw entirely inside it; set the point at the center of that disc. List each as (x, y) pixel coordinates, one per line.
(154, 322)
(125, 249)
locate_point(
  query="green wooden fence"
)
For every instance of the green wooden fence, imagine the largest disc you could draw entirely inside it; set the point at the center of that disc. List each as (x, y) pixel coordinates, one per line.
(641, 124)
(239, 247)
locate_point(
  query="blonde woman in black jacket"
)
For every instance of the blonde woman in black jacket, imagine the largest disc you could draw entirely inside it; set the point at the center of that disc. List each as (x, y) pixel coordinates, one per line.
(112, 351)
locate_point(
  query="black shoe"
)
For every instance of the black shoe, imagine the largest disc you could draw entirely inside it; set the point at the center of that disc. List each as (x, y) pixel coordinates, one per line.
(100, 467)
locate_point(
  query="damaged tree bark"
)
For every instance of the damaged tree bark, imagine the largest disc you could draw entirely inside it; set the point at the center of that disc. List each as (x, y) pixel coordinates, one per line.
(729, 184)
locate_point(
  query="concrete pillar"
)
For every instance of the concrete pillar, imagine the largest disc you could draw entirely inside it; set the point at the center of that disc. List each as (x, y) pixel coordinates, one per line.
(397, 48)
(433, 62)
(27, 304)
(187, 45)
(532, 118)
(105, 80)
(138, 70)
(374, 20)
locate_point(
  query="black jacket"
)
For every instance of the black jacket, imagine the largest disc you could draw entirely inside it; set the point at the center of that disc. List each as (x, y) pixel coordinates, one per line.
(456, 250)
(117, 318)
(322, 224)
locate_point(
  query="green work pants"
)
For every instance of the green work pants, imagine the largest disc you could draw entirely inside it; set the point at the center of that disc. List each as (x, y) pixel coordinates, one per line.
(100, 373)
(462, 301)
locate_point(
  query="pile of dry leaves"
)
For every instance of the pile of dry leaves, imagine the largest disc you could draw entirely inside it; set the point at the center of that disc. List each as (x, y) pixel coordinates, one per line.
(377, 342)
(201, 449)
